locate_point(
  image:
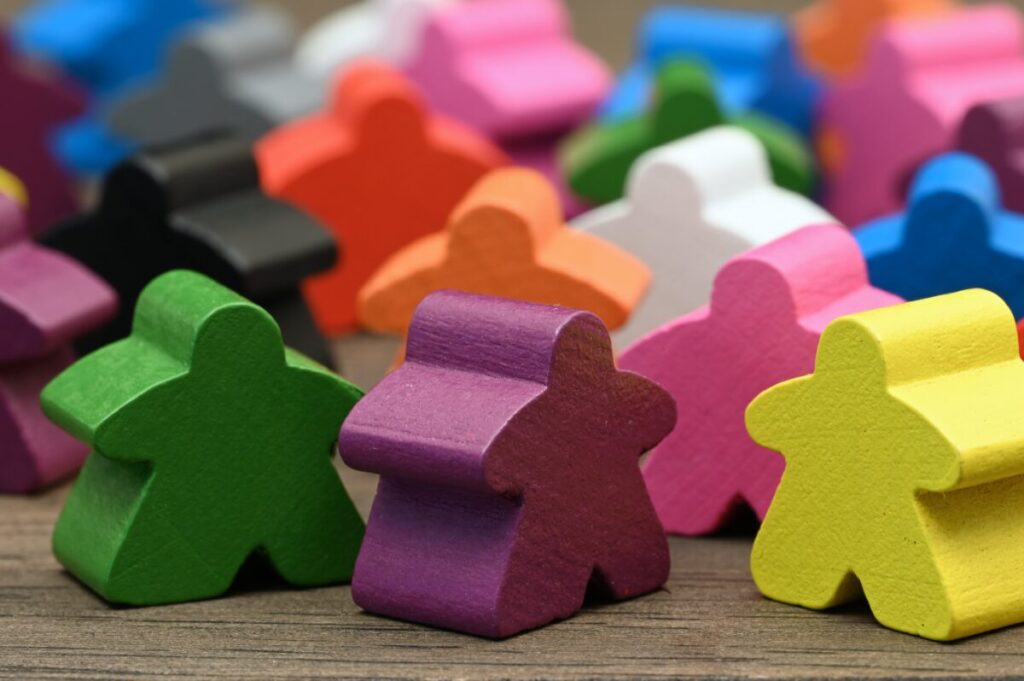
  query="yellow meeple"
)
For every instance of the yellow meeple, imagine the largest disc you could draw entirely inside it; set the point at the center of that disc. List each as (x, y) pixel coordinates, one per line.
(13, 187)
(904, 478)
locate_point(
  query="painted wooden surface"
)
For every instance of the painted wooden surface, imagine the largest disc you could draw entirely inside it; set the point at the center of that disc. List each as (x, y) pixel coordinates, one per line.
(993, 132)
(512, 70)
(235, 434)
(12, 187)
(953, 235)
(903, 469)
(506, 238)
(508, 68)
(106, 46)
(596, 158)
(403, 169)
(496, 514)
(679, 205)
(46, 301)
(198, 205)
(908, 100)
(389, 30)
(834, 34)
(36, 102)
(751, 55)
(767, 312)
(230, 75)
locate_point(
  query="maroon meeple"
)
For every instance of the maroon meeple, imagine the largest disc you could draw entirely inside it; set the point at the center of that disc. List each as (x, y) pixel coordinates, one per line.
(994, 132)
(33, 102)
(508, 448)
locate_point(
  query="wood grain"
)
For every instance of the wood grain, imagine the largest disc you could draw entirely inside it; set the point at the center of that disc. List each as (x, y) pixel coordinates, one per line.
(708, 622)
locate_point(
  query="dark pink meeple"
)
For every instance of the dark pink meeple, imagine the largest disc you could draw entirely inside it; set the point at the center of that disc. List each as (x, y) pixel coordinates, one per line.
(508, 448)
(46, 299)
(768, 310)
(33, 103)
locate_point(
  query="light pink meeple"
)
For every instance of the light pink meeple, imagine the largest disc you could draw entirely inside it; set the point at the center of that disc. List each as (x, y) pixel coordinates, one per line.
(512, 70)
(921, 78)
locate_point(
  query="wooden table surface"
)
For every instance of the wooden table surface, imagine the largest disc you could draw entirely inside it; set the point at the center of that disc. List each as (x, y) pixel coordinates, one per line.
(708, 621)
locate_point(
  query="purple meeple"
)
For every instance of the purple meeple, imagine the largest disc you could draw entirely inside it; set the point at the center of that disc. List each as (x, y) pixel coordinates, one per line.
(508, 448)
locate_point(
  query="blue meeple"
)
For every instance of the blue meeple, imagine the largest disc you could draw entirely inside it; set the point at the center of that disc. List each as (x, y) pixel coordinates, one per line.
(954, 234)
(108, 47)
(751, 56)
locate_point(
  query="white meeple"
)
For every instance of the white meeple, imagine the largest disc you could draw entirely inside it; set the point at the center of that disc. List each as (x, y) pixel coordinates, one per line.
(388, 30)
(690, 206)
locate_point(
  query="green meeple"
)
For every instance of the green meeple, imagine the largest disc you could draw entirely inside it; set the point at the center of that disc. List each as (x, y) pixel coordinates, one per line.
(597, 159)
(211, 442)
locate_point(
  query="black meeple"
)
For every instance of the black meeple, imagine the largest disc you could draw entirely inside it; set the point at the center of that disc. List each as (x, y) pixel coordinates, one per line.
(199, 206)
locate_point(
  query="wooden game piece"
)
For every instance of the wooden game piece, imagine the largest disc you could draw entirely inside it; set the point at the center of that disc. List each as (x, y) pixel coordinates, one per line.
(903, 465)
(107, 47)
(715, 360)
(692, 205)
(542, 155)
(753, 62)
(954, 235)
(88, 148)
(378, 171)
(107, 44)
(199, 206)
(233, 75)
(512, 70)
(389, 30)
(834, 34)
(46, 300)
(508, 68)
(47, 297)
(507, 239)
(495, 512)
(35, 103)
(212, 442)
(908, 103)
(12, 187)
(992, 131)
(597, 158)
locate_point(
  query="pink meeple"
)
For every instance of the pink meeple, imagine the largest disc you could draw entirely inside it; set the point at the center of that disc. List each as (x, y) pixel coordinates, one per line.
(768, 309)
(46, 300)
